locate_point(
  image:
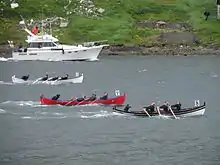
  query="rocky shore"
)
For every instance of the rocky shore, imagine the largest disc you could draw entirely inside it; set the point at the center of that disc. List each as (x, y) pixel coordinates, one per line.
(162, 51)
(120, 50)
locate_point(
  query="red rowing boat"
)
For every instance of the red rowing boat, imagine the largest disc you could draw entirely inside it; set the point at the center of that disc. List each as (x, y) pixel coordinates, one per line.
(115, 101)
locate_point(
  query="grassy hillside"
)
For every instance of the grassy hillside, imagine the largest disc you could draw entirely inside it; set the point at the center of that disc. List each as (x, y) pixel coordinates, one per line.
(118, 23)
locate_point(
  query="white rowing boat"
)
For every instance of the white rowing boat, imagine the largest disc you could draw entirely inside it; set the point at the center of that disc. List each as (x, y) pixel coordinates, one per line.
(78, 79)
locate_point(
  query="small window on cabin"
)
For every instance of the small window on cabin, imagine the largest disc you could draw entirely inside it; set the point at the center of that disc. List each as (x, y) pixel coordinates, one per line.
(48, 44)
(34, 45)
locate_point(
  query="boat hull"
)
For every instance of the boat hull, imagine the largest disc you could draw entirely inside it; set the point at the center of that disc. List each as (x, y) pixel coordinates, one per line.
(186, 112)
(79, 54)
(72, 80)
(117, 101)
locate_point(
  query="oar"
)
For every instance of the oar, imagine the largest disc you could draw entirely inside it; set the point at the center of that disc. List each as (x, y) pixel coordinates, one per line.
(80, 102)
(158, 110)
(37, 80)
(172, 112)
(146, 112)
(70, 102)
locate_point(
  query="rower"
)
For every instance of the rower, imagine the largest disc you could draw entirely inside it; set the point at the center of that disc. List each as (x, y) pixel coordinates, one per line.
(53, 78)
(44, 78)
(127, 107)
(81, 99)
(56, 97)
(150, 108)
(165, 106)
(65, 78)
(92, 98)
(105, 97)
(25, 77)
(176, 106)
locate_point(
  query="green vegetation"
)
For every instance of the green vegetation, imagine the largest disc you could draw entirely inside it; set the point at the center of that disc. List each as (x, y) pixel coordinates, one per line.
(118, 23)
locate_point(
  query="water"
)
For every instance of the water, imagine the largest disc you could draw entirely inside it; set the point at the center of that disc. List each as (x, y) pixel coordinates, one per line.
(36, 134)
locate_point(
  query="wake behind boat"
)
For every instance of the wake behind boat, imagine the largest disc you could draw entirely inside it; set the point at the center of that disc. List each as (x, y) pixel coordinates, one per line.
(119, 100)
(49, 80)
(197, 110)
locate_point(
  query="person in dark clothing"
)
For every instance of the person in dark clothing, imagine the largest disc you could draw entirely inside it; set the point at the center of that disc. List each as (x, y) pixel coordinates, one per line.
(81, 99)
(56, 97)
(105, 97)
(53, 78)
(176, 106)
(127, 107)
(92, 98)
(165, 106)
(44, 78)
(206, 14)
(65, 78)
(20, 48)
(150, 108)
(25, 78)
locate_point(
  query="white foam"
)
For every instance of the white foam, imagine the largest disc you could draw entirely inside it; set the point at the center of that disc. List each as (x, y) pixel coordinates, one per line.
(23, 103)
(3, 59)
(6, 83)
(100, 114)
(143, 70)
(2, 111)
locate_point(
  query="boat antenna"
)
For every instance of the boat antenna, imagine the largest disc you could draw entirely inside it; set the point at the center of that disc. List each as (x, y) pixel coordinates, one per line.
(42, 22)
(50, 29)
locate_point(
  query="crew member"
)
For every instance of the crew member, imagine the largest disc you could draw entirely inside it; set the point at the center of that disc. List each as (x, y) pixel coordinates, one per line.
(25, 77)
(165, 106)
(105, 97)
(92, 98)
(44, 78)
(150, 108)
(81, 99)
(176, 106)
(65, 78)
(56, 97)
(35, 30)
(53, 78)
(127, 107)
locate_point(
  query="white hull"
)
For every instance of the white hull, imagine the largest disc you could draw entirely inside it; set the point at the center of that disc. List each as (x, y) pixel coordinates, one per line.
(85, 53)
(200, 112)
(56, 82)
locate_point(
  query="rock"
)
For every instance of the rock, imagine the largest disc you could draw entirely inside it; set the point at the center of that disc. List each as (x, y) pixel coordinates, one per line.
(14, 5)
(100, 10)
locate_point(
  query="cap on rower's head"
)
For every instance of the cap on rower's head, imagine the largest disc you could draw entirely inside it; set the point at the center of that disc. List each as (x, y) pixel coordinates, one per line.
(58, 94)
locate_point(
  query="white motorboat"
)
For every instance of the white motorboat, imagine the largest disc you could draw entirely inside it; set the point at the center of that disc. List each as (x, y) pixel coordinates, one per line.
(77, 79)
(47, 48)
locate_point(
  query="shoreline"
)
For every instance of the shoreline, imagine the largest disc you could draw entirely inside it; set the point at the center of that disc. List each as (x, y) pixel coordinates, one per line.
(121, 50)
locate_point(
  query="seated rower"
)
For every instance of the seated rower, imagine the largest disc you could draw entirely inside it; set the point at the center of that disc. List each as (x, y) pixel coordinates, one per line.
(53, 78)
(150, 108)
(25, 78)
(165, 107)
(105, 97)
(56, 97)
(176, 106)
(127, 107)
(44, 78)
(81, 99)
(92, 98)
(65, 78)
